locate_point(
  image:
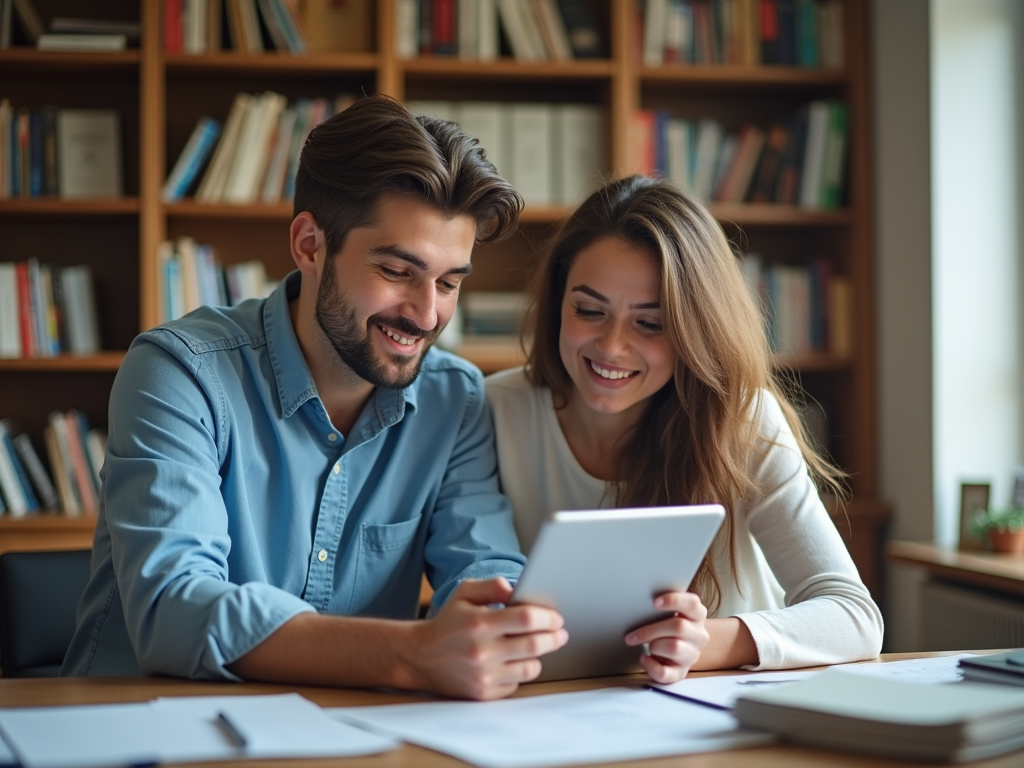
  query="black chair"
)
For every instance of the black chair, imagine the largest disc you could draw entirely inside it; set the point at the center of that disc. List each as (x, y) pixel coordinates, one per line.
(39, 593)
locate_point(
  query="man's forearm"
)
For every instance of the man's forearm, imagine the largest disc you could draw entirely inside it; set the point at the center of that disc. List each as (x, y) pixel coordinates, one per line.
(333, 650)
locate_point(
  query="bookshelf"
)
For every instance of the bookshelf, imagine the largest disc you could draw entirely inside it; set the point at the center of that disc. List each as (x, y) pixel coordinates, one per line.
(160, 97)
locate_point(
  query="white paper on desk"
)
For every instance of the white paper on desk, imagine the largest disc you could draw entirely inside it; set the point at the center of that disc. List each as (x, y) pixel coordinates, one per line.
(280, 726)
(107, 734)
(558, 729)
(930, 671)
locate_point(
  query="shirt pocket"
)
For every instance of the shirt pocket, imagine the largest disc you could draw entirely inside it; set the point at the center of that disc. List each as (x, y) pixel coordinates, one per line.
(388, 570)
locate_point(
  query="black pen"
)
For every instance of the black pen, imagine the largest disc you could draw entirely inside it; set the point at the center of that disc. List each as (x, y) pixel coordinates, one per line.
(233, 734)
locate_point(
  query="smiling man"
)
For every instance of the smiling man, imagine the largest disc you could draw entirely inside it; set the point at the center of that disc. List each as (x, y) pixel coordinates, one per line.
(280, 474)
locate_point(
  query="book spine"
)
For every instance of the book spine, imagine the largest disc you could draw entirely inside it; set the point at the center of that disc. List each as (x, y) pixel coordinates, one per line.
(36, 472)
(443, 27)
(31, 502)
(35, 154)
(26, 323)
(9, 483)
(76, 450)
(59, 466)
(10, 322)
(51, 186)
(174, 33)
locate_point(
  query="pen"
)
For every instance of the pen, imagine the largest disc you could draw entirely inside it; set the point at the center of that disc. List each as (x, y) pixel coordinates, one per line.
(764, 682)
(233, 734)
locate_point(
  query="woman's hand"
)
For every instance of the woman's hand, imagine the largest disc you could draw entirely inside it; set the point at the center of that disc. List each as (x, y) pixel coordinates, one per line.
(675, 642)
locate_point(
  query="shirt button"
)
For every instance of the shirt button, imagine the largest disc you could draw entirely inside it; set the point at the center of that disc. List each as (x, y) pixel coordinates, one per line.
(332, 438)
(337, 468)
(321, 555)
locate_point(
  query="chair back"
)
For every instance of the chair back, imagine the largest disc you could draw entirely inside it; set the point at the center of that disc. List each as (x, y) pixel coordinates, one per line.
(39, 594)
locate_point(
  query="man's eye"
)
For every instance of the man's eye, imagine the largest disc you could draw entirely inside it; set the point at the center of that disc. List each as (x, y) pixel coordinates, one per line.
(390, 272)
(449, 286)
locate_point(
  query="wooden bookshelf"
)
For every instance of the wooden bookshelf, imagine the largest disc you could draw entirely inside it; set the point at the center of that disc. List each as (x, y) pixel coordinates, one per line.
(160, 97)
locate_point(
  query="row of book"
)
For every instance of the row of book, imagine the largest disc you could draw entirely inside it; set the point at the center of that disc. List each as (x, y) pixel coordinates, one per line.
(47, 310)
(534, 30)
(808, 308)
(72, 481)
(253, 157)
(802, 162)
(294, 27)
(62, 33)
(69, 153)
(552, 153)
(805, 33)
(190, 277)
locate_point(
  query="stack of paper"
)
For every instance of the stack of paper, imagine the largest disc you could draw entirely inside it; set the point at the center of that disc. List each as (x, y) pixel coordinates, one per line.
(1006, 668)
(879, 716)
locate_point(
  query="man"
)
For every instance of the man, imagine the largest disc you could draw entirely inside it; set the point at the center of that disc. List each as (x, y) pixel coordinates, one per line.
(275, 470)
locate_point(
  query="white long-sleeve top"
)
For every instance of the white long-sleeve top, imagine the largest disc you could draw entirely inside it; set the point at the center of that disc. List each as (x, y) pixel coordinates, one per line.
(798, 590)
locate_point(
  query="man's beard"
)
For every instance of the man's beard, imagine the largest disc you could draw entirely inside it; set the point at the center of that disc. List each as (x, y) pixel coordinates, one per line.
(354, 345)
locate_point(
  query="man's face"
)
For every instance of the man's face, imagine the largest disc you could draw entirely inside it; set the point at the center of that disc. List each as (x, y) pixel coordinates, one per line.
(384, 298)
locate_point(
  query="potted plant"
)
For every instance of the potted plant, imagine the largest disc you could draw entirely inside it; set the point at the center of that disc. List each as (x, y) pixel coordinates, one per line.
(1003, 526)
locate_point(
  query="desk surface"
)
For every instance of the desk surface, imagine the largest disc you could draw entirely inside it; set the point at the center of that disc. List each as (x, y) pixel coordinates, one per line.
(109, 690)
(994, 570)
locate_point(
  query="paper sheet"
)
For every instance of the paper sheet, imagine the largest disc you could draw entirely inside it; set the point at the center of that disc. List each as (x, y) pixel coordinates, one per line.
(179, 730)
(558, 729)
(721, 692)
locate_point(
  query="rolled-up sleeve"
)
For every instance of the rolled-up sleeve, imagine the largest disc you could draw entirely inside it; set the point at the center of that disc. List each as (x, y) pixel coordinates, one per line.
(169, 527)
(471, 531)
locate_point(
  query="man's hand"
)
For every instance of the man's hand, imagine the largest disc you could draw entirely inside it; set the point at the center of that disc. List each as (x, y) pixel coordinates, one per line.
(471, 650)
(675, 643)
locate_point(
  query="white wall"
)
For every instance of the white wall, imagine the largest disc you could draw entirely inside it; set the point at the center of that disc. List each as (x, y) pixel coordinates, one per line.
(901, 111)
(978, 385)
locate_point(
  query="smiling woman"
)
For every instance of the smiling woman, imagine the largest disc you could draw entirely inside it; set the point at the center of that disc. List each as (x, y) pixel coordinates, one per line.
(649, 383)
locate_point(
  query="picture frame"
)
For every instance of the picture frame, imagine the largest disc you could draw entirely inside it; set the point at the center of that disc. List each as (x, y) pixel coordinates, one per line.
(973, 496)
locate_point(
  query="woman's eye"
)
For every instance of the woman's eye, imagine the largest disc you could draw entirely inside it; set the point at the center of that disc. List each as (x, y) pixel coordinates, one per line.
(587, 313)
(648, 325)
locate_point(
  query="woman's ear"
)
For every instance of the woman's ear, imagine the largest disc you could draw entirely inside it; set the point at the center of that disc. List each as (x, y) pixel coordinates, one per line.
(307, 244)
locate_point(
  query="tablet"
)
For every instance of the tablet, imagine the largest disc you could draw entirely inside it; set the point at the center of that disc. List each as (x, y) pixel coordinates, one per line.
(602, 568)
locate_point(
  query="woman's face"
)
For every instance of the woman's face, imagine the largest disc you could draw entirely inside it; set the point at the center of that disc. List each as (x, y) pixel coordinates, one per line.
(612, 342)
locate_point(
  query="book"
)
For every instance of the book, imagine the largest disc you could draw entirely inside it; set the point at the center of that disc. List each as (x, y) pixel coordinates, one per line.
(552, 29)
(814, 155)
(80, 308)
(69, 42)
(654, 30)
(76, 26)
(251, 157)
(75, 450)
(89, 153)
(580, 151)
(513, 20)
(531, 160)
(487, 30)
(37, 473)
(8, 431)
(62, 474)
(836, 709)
(29, 19)
(211, 188)
(767, 174)
(10, 331)
(487, 121)
(51, 183)
(174, 28)
(582, 29)
(737, 179)
(10, 484)
(833, 172)
(277, 168)
(6, 20)
(192, 159)
(1006, 668)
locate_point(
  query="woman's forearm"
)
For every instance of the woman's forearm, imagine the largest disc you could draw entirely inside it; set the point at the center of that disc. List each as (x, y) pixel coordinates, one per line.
(731, 646)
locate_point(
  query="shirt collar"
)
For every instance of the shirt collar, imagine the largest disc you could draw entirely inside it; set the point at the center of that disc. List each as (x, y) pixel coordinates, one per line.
(295, 383)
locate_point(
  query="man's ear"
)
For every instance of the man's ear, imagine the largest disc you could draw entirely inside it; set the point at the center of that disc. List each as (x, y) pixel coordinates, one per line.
(307, 244)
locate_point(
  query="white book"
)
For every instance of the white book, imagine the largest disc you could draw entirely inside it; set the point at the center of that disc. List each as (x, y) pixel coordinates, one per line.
(679, 138)
(531, 165)
(655, 24)
(89, 153)
(96, 448)
(512, 20)
(486, 122)
(71, 42)
(63, 475)
(487, 34)
(188, 258)
(10, 486)
(531, 25)
(273, 185)
(41, 331)
(211, 188)
(467, 28)
(407, 28)
(10, 320)
(580, 150)
(709, 142)
(552, 26)
(255, 150)
(814, 155)
(80, 309)
(193, 16)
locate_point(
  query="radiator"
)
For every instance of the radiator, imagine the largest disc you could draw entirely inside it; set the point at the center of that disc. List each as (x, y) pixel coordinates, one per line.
(955, 617)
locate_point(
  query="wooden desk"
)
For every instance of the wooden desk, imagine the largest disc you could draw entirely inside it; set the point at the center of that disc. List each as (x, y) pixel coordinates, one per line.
(990, 570)
(109, 690)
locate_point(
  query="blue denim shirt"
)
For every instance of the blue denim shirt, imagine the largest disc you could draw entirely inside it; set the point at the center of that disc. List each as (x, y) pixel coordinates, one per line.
(231, 504)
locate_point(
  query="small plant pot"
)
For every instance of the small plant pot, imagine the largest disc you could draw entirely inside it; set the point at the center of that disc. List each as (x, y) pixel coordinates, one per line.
(1008, 541)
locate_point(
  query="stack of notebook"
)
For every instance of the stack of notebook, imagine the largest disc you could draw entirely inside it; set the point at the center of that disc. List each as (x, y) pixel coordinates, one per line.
(1006, 668)
(838, 710)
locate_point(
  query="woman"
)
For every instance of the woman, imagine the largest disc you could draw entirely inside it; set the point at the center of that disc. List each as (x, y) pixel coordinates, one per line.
(649, 383)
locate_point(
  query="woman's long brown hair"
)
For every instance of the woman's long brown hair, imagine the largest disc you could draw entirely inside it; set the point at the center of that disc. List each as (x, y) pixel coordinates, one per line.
(693, 442)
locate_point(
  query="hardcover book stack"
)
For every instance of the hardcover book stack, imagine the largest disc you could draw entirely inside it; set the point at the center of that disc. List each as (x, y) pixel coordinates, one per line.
(804, 33)
(554, 154)
(802, 162)
(47, 310)
(72, 484)
(68, 153)
(190, 277)
(532, 30)
(253, 157)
